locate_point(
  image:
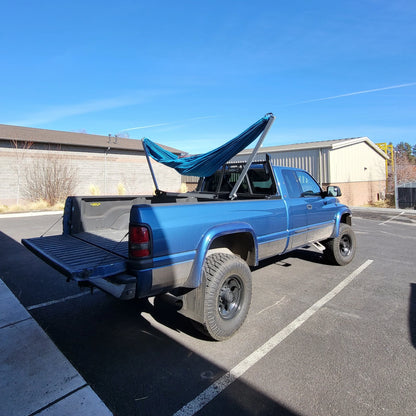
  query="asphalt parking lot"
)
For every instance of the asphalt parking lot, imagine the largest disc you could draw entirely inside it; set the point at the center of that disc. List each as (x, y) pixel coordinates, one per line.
(319, 339)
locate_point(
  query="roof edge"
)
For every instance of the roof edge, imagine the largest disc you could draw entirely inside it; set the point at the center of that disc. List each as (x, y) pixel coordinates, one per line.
(357, 140)
(324, 144)
(59, 137)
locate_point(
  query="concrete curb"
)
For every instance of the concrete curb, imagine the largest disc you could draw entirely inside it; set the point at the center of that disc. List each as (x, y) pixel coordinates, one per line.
(30, 214)
(35, 377)
(384, 210)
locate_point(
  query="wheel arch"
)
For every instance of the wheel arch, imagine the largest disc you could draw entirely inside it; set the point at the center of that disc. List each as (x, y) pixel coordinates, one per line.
(343, 216)
(214, 241)
(234, 238)
(346, 218)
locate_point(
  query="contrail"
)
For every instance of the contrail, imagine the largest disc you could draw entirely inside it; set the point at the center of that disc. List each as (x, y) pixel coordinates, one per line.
(410, 84)
(145, 127)
(166, 124)
(58, 112)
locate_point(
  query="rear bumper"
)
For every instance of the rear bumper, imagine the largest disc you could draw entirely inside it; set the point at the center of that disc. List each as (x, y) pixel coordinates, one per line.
(122, 286)
(156, 280)
(91, 265)
(144, 283)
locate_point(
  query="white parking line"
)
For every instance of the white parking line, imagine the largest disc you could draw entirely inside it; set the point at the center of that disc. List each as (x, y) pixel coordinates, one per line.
(221, 384)
(52, 302)
(391, 219)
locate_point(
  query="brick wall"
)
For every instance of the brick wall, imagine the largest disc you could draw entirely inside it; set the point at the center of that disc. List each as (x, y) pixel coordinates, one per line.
(361, 193)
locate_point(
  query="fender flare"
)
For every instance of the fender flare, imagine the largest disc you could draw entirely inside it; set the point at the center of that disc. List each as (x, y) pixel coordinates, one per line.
(338, 218)
(195, 276)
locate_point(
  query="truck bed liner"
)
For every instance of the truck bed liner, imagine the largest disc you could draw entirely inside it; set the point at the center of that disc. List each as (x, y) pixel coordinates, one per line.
(75, 258)
(112, 240)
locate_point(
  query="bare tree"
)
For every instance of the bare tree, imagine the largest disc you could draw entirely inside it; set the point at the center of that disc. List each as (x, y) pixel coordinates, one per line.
(51, 179)
(406, 168)
(20, 148)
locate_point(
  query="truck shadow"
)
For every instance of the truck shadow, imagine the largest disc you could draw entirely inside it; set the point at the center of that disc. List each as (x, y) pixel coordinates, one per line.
(284, 259)
(135, 367)
(164, 311)
(412, 314)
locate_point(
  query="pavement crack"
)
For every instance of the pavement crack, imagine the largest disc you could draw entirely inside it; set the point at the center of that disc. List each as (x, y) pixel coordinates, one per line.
(58, 400)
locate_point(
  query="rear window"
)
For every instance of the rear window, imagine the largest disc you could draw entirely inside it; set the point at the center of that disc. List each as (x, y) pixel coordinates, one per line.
(261, 182)
(257, 181)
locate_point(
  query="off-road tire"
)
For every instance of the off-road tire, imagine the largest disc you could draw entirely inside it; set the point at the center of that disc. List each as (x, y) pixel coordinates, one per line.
(227, 295)
(341, 250)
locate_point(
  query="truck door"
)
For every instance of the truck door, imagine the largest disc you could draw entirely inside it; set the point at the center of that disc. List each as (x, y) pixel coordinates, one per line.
(320, 212)
(297, 209)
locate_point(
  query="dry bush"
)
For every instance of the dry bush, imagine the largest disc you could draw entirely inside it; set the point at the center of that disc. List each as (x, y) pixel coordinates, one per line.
(121, 189)
(20, 151)
(31, 206)
(95, 190)
(51, 179)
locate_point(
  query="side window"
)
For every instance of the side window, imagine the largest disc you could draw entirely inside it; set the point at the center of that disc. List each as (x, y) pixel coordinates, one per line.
(292, 183)
(308, 184)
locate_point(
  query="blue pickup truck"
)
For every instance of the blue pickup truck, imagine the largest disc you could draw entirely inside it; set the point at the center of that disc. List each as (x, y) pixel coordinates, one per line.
(199, 246)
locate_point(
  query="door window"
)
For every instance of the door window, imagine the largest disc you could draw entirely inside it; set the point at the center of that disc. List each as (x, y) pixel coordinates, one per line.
(292, 183)
(300, 184)
(308, 184)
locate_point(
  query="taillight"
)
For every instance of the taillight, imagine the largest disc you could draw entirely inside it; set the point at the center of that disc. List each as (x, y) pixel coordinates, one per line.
(139, 241)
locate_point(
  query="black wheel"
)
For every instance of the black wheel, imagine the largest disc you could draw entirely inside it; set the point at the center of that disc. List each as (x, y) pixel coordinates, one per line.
(341, 250)
(227, 295)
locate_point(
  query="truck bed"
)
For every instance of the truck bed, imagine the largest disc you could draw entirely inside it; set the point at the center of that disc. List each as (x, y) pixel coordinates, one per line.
(110, 239)
(94, 243)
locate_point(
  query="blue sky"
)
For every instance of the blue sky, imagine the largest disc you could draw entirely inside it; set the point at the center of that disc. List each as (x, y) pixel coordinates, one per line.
(193, 74)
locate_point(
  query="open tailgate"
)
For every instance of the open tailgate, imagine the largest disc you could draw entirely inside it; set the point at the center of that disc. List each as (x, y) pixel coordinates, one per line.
(75, 258)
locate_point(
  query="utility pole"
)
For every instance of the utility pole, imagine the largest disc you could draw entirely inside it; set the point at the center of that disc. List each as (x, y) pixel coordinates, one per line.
(396, 196)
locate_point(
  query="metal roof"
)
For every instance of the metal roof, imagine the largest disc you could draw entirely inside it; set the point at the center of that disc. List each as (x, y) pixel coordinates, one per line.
(331, 144)
(10, 132)
(30, 134)
(407, 185)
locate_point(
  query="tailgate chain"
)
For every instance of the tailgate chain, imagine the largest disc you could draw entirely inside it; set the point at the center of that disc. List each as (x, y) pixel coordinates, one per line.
(53, 225)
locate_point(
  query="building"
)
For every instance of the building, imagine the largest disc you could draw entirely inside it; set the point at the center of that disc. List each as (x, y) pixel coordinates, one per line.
(99, 164)
(111, 165)
(356, 165)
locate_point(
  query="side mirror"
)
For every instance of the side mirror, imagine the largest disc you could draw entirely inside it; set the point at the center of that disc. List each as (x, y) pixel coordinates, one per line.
(333, 191)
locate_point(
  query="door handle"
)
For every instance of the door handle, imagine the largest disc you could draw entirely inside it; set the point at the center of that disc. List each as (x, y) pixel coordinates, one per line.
(309, 206)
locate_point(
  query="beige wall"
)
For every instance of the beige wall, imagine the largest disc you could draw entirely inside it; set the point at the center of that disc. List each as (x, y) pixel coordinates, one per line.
(93, 167)
(360, 172)
(356, 163)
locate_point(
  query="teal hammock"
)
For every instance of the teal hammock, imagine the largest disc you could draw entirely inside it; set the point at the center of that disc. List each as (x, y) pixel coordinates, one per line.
(207, 163)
